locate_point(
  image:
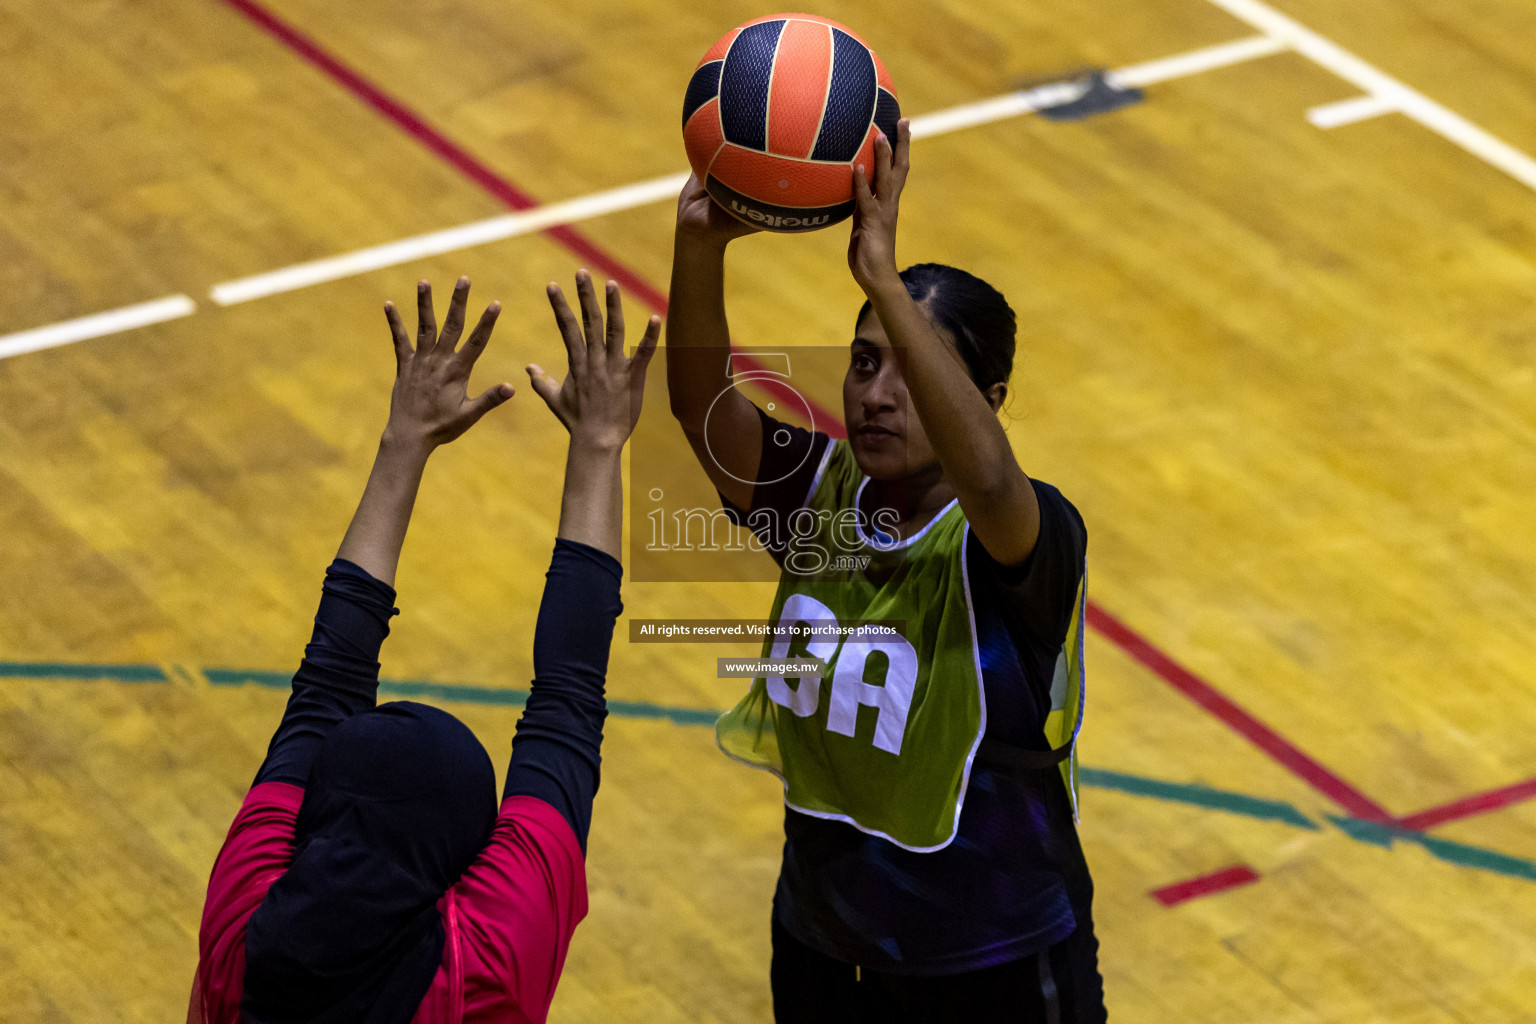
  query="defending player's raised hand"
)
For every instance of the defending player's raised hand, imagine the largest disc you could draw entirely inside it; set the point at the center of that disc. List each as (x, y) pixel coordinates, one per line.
(872, 243)
(430, 405)
(599, 400)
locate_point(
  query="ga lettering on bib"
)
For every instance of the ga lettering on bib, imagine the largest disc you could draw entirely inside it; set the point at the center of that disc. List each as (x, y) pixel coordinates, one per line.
(885, 739)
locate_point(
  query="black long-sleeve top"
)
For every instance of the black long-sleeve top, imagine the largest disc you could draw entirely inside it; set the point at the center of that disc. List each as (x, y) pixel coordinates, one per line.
(556, 754)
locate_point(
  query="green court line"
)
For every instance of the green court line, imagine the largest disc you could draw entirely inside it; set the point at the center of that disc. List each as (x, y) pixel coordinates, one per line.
(239, 677)
(388, 687)
(60, 670)
(470, 694)
(1476, 857)
(682, 716)
(1372, 832)
(1193, 794)
(1199, 796)
(1447, 850)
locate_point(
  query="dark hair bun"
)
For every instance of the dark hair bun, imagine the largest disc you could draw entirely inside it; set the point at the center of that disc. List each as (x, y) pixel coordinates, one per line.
(973, 312)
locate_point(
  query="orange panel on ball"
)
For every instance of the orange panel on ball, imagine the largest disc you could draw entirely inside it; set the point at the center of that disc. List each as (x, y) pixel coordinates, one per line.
(802, 70)
(866, 155)
(815, 18)
(882, 76)
(781, 180)
(703, 136)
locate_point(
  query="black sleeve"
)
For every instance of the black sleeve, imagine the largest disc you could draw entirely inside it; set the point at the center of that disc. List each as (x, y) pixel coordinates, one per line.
(785, 471)
(1040, 593)
(556, 754)
(339, 675)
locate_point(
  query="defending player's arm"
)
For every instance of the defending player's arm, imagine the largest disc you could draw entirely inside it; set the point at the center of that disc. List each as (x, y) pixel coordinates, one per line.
(996, 496)
(556, 756)
(699, 348)
(429, 406)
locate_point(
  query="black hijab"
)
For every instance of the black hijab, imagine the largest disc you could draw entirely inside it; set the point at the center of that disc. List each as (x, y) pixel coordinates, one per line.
(400, 800)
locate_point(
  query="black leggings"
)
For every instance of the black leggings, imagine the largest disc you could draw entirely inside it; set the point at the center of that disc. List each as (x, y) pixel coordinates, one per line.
(1058, 985)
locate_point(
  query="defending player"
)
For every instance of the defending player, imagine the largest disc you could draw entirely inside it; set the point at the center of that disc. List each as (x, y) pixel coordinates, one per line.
(931, 868)
(370, 876)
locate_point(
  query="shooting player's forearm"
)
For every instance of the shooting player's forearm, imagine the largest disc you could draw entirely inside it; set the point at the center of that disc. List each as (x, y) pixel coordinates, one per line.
(698, 335)
(970, 442)
(967, 438)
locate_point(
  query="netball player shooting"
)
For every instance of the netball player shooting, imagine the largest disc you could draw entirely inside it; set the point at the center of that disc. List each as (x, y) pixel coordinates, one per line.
(370, 875)
(931, 867)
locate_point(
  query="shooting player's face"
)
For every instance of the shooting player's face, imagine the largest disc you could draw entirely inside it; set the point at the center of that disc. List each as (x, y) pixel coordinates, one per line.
(884, 432)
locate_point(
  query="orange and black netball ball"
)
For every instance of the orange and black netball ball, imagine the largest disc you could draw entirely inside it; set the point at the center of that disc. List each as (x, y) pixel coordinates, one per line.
(778, 113)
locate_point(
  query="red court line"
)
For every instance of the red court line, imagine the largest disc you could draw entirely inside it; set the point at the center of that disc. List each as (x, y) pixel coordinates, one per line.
(1138, 647)
(484, 176)
(1239, 720)
(434, 140)
(1467, 806)
(1205, 885)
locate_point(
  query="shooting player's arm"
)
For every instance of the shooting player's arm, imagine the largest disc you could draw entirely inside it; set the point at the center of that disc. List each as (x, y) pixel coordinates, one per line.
(699, 350)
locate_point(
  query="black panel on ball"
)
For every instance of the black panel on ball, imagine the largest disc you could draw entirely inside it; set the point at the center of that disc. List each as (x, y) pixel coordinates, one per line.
(702, 87)
(850, 100)
(887, 113)
(744, 85)
(775, 218)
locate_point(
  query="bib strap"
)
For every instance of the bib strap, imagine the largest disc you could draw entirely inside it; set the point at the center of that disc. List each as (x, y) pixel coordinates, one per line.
(999, 756)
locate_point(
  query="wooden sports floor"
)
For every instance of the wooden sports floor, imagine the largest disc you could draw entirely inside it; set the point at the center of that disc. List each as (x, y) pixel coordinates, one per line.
(1284, 370)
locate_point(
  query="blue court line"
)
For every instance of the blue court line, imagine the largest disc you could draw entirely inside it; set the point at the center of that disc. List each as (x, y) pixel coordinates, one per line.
(1443, 849)
(388, 687)
(513, 698)
(59, 670)
(1199, 796)
(1192, 794)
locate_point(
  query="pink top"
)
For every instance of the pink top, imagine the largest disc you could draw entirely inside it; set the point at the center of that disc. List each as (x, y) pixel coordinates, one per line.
(508, 920)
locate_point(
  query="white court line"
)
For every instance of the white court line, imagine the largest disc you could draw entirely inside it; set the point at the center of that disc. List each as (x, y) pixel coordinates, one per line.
(1280, 33)
(1013, 104)
(966, 115)
(1195, 62)
(1441, 120)
(969, 115)
(436, 243)
(96, 325)
(1359, 108)
(407, 250)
